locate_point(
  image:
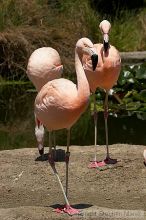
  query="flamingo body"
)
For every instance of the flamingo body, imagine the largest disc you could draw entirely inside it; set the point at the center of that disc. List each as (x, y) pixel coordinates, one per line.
(58, 105)
(107, 70)
(44, 65)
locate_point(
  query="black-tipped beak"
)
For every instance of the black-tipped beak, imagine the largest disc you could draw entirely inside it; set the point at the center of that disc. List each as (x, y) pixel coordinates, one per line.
(41, 151)
(105, 46)
(94, 59)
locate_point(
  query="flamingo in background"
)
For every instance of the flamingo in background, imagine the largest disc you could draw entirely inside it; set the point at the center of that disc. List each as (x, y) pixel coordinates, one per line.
(60, 103)
(104, 77)
(44, 65)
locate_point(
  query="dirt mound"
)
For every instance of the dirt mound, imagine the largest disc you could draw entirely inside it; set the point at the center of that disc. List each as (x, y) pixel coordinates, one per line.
(29, 189)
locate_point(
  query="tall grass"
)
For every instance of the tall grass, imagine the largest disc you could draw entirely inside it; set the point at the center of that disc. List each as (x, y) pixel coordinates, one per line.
(10, 14)
(128, 32)
(15, 13)
(27, 25)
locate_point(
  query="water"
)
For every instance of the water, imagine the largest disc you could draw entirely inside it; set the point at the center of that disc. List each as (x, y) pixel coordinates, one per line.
(17, 123)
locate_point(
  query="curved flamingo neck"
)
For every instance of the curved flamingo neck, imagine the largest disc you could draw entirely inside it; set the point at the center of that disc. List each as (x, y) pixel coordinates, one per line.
(82, 82)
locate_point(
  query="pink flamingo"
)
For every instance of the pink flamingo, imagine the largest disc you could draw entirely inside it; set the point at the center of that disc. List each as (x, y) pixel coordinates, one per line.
(44, 65)
(60, 103)
(104, 77)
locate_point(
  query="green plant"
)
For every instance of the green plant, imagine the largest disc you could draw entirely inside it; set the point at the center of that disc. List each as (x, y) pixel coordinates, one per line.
(131, 90)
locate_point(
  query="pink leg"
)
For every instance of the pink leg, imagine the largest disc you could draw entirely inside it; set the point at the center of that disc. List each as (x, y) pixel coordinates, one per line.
(108, 160)
(95, 163)
(66, 208)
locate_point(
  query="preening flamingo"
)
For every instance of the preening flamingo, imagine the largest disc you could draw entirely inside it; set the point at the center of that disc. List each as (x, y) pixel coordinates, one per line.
(44, 65)
(104, 77)
(60, 103)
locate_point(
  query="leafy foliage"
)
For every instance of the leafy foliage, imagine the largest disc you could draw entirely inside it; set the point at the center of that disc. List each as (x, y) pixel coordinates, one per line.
(131, 91)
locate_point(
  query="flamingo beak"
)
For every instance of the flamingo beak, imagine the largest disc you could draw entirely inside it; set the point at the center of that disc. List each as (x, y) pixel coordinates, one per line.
(94, 59)
(105, 42)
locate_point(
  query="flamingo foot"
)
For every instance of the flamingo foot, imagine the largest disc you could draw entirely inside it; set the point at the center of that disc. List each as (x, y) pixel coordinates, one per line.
(109, 160)
(68, 209)
(96, 164)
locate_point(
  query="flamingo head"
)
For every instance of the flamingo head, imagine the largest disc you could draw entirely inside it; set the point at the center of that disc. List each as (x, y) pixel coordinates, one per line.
(85, 46)
(105, 27)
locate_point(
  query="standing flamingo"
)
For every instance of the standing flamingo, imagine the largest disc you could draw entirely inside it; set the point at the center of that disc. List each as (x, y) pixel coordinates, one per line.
(44, 65)
(60, 103)
(104, 77)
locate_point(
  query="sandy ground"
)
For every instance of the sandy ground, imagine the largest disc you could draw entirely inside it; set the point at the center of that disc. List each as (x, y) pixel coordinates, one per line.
(29, 189)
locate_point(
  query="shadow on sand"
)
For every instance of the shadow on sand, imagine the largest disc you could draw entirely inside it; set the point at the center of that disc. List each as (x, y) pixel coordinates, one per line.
(59, 156)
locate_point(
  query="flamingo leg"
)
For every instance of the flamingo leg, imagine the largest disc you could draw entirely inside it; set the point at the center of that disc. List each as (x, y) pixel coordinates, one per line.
(67, 208)
(39, 133)
(95, 163)
(105, 119)
(67, 160)
(54, 140)
(52, 163)
(95, 127)
(108, 160)
(54, 146)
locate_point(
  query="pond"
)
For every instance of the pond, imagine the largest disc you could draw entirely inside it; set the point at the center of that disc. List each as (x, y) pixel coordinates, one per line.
(17, 123)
